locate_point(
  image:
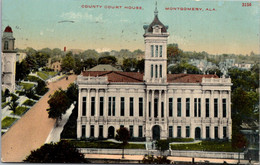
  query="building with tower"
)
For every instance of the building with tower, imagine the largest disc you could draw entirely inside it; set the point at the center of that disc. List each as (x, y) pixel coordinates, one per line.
(8, 60)
(154, 105)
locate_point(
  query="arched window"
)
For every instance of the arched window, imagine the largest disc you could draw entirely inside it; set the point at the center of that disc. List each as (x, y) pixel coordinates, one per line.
(6, 45)
(161, 71)
(156, 71)
(151, 71)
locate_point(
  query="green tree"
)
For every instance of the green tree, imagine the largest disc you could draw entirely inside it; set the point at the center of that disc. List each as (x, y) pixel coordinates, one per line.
(72, 92)
(129, 64)
(59, 103)
(22, 70)
(68, 62)
(13, 104)
(90, 63)
(61, 152)
(140, 65)
(107, 60)
(123, 135)
(31, 61)
(41, 59)
(174, 53)
(162, 145)
(41, 88)
(181, 67)
(150, 159)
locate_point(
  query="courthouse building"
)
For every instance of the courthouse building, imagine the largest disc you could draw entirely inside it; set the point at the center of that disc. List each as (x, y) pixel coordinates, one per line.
(154, 104)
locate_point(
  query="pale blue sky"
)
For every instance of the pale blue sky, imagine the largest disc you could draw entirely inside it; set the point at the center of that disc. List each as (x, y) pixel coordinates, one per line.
(230, 29)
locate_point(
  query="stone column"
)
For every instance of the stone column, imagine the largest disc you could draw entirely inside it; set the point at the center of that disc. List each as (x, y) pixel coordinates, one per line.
(220, 131)
(97, 104)
(175, 130)
(89, 104)
(152, 106)
(203, 106)
(212, 132)
(203, 131)
(229, 105)
(96, 130)
(105, 131)
(105, 105)
(147, 105)
(229, 131)
(220, 113)
(88, 130)
(192, 131)
(211, 104)
(159, 104)
(80, 105)
(174, 109)
(183, 130)
(79, 133)
(166, 113)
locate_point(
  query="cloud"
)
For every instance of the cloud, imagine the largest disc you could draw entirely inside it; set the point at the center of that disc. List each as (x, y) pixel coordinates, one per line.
(41, 33)
(81, 16)
(100, 50)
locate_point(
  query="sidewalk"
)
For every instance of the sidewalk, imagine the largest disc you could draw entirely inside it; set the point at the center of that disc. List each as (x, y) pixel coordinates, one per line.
(174, 159)
(54, 135)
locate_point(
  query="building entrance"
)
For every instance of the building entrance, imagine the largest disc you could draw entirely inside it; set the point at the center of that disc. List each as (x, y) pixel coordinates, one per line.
(156, 132)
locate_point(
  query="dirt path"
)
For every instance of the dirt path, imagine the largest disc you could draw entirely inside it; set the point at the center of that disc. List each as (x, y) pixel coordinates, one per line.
(31, 131)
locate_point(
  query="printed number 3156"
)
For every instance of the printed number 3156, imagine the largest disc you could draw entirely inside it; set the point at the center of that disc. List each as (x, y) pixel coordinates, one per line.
(246, 4)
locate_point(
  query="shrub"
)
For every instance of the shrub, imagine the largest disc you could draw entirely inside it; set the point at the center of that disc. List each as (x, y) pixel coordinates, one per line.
(20, 110)
(29, 102)
(7, 122)
(33, 78)
(181, 140)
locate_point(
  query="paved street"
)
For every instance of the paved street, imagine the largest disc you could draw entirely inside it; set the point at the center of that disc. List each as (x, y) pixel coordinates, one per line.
(32, 130)
(178, 159)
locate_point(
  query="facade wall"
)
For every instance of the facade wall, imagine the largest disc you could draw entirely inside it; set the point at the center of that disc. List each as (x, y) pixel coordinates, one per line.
(151, 94)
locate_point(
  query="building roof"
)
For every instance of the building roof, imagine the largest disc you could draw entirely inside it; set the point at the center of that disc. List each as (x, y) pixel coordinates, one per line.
(8, 29)
(103, 67)
(156, 21)
(136, 77)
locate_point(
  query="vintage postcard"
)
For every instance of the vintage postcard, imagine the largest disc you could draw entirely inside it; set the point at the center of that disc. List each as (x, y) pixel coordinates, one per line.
(130, 81)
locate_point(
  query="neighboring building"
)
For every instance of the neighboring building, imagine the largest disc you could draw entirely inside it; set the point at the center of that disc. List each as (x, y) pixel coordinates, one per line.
(8, 60)
(56, 66)
(104, 67)
(20, 56)
(245, 66)
(154, 105)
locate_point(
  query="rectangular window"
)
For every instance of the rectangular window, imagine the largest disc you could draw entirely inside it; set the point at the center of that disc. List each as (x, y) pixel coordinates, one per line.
(170, 132)
(160, 71)
(195, 107)
(92, 106)
(152, 51)
(141, 106)
(156, 50)
(155, 107)
(215, 107)
(199, 107)
(150, 106)
(216, 132)
(207, 107)
(160, 50)
(84, 106)
(162, 109)
(224, 105)
(151, 71)
(179, 131)
(122, 104)
(187, 107)
(109, 106)
(92, 130)
(100, 131)
(187, 131)
(207, 132)
(83, 131)
(140, 131)
(156, 71)
(224, 132)
(101, 106)
(170, 106)
(179, 107)
(114, 106)
(131, 106)
(131, 130)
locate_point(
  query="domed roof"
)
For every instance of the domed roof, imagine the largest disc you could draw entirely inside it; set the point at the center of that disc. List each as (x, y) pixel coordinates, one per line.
(8, 29)
(156, 21)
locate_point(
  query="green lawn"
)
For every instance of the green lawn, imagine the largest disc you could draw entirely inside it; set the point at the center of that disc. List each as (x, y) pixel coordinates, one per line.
(104, 144)
(205, 146)
(7, 122)
(29, 102)
(45, 75)
(26, 86)
(32, 78)
(4, 104)
(20, 110)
